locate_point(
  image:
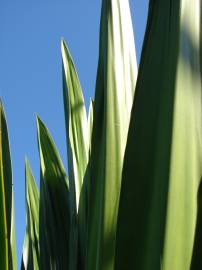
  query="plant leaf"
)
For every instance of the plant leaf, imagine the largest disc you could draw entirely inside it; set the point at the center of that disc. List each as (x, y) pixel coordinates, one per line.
(30, 259)
(54, 213)
(76, 122)
(8, 259)
(90, 122)
(116, 78)
(77, 142)
(84, 200)
(162, 165)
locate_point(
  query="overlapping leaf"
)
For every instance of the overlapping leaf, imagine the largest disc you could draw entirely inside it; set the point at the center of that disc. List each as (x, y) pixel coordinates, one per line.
(54, 216)
(116, 78)
(31, 256)
(7, 231)
(163, 165)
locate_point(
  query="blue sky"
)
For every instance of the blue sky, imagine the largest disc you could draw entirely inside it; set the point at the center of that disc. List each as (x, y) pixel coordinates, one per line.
(30, 73)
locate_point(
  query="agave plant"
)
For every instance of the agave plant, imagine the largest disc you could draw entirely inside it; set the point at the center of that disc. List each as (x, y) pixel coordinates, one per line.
(132, 196)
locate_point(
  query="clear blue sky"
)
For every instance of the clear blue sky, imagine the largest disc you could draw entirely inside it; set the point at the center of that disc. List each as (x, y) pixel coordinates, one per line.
(30, 73)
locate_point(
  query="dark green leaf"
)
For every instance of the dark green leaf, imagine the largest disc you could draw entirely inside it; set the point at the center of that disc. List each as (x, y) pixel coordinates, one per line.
(54, 217)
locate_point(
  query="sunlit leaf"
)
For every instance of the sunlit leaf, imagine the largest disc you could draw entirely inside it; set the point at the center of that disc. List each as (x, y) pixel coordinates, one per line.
(77, 142)
(163, 161)
(116, 78)
(76, 122)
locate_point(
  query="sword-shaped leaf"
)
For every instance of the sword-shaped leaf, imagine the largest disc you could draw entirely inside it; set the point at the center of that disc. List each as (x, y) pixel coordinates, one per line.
(30, 257)
(8, 259)
(116, 78)
(54, 213)
(76, 123)
(77, 142)
(163, 158)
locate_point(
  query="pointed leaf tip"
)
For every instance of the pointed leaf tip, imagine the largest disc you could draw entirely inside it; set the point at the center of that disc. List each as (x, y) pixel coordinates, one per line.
(62, 43)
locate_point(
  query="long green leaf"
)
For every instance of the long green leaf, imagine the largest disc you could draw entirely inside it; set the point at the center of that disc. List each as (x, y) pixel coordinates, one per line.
(76, 122)
(54, 216)
(30, 258)
(163, 161)
(77, 143)
(8, 259)
(116, 78)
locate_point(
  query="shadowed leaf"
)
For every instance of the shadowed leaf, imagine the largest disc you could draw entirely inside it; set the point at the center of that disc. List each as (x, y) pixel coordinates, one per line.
(54, 216)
